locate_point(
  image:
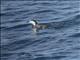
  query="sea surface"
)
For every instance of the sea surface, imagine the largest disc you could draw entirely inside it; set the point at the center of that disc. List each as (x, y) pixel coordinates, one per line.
(60, 41)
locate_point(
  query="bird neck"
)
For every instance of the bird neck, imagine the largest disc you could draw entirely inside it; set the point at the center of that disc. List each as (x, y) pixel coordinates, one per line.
(35, 26)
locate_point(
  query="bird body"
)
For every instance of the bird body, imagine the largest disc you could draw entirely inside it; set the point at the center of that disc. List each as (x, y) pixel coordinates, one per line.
(36, 25)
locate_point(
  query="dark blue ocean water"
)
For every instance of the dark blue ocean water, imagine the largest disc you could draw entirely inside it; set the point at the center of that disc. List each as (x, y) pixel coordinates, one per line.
(59, 42)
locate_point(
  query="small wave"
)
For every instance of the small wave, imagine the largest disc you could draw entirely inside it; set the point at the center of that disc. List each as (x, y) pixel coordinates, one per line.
(75, 35)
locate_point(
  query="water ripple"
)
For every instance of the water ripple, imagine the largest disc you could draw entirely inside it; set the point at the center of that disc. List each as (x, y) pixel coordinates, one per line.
(61, 41)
